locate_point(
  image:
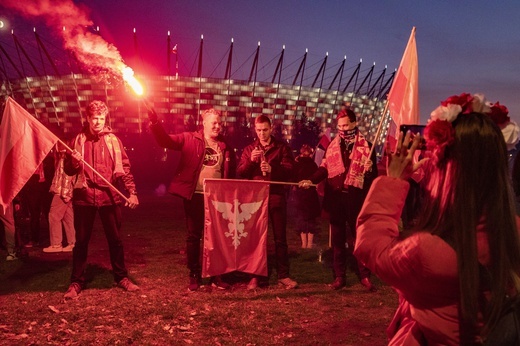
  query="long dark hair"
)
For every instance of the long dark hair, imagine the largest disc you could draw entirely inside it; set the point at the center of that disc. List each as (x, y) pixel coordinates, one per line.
(471, 185)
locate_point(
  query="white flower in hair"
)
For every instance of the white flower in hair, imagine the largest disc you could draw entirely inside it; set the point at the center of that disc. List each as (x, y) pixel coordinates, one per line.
(448, 112)
(480, 104)
(511, 132)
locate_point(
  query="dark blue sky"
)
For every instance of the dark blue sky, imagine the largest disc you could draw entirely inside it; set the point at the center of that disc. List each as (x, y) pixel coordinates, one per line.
(463, 46)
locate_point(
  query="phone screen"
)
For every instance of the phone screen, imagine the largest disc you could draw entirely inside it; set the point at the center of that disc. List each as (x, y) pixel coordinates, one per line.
(414, 129)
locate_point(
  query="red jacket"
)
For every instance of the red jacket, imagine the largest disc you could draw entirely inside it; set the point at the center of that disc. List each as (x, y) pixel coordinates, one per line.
(94, 191)
(192, 148)
(422, 268)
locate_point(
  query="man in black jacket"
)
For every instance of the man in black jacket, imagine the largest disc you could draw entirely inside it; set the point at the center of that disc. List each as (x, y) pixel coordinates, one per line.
(270, 159)
(349, 168)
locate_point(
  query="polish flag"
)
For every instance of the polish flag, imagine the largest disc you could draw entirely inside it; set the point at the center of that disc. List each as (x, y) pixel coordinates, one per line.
(24, 143)
(403, 98)
(235, 227)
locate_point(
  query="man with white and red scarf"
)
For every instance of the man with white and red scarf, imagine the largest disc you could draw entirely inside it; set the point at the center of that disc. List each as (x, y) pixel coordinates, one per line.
(349, 170)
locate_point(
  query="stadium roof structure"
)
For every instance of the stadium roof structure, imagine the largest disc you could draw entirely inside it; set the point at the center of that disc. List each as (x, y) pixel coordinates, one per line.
(55, 87)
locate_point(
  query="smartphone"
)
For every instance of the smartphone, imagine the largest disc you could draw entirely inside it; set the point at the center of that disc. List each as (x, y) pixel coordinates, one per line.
(414, 130)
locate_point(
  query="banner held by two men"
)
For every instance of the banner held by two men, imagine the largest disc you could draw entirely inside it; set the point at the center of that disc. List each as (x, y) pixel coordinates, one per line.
(235, 227)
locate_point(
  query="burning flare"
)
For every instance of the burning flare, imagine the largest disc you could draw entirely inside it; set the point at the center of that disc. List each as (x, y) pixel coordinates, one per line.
(128, 76)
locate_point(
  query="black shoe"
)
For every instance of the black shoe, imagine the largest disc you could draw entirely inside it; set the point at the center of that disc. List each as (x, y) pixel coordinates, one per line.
(366, 282)
(195, 282)
(338, 283)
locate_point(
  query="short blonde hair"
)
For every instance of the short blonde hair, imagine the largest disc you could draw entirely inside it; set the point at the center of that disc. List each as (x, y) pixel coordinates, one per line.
(97, 107)
(208, 112)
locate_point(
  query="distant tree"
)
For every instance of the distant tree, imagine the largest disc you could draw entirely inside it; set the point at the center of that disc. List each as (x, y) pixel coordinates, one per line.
(305, 131)
(190, 124)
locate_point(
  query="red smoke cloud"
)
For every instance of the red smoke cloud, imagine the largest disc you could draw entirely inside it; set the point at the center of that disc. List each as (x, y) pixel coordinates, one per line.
(73, 24)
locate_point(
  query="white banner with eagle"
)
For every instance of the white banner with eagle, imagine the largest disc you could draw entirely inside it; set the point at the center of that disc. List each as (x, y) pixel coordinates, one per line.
(235, 226)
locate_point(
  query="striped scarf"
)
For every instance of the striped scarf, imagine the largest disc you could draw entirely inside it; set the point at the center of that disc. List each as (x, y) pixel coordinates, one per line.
(359, 157)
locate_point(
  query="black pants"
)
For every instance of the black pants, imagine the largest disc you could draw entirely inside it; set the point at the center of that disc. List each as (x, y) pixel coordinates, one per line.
(36, 197)
(194, 212)
(83, 223)
(343, 216)
(278, 217)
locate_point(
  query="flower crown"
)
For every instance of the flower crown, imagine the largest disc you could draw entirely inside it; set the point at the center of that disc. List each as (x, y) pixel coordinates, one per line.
(439, 132)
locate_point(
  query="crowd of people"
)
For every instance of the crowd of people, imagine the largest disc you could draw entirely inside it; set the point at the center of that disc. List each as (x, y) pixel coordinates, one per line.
(453, 267)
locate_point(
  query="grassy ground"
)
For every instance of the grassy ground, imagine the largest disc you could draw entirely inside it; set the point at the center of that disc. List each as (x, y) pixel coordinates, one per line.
(163, 312)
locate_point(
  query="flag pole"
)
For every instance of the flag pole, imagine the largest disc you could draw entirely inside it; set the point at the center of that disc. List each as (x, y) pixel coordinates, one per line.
(93, 170)
(378, 132)
(261, 181)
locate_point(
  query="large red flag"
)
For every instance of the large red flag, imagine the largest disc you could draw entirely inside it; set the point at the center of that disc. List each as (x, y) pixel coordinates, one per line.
(403, 98)
(235, 231)
(24, 143)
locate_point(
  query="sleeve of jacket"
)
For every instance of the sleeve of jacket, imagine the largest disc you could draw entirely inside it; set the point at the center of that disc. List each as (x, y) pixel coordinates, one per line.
(322, 171)
(127, 178)
(174, 142)
(230, 163)
(69, 168)
(318, 176)
(377, 229)
(246, 166)
(281, 170)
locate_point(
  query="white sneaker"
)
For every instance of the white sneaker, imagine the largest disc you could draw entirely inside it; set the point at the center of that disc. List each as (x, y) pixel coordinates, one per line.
(288, 283)
(68, 248)
(53, 248)
(11, 256)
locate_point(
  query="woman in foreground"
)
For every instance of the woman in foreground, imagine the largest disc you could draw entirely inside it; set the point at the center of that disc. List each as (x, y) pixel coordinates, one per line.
(454, 271)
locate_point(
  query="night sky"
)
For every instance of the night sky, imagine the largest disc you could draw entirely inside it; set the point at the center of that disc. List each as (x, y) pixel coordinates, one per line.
(463, 46)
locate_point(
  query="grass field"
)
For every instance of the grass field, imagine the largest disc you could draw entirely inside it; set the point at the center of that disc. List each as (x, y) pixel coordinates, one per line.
(163, 312)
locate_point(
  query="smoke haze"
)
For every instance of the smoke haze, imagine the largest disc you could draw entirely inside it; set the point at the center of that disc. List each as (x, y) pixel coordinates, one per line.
(74, 26)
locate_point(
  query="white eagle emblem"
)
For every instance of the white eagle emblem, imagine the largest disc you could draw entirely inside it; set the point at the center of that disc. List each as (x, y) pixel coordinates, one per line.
(230, 212)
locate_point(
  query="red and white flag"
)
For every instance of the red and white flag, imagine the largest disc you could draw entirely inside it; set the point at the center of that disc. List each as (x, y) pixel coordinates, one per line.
(24, 143)
(235, 227)
(403, 98)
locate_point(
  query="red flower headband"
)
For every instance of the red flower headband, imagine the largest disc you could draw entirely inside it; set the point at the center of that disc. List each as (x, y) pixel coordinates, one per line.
(439, 132)
(499, 114)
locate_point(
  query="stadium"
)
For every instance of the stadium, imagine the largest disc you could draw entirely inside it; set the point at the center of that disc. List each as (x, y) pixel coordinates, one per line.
(301, 96)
